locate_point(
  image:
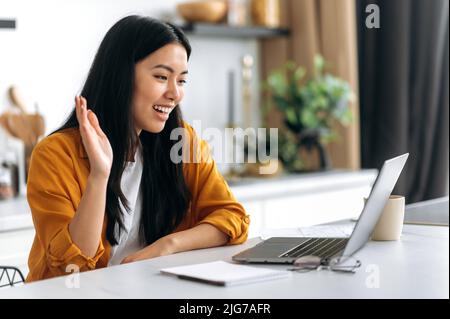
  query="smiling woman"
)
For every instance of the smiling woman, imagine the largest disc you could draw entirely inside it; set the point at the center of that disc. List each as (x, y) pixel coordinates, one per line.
(159, 82)
(102, 189)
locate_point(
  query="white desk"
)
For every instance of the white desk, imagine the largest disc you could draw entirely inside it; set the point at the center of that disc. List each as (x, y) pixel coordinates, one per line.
(417, 266)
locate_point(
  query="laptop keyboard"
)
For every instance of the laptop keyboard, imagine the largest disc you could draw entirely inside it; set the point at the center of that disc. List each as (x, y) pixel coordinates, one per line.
(321, 247)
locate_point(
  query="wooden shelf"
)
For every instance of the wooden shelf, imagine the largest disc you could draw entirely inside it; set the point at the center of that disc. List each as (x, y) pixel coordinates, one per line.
(224, 30)
(7, 23)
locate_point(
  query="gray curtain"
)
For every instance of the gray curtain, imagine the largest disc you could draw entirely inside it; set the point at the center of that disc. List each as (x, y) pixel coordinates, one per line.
(404, 91)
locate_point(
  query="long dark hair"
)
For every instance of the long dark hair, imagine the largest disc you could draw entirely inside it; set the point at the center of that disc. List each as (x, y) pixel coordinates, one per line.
(109, 90)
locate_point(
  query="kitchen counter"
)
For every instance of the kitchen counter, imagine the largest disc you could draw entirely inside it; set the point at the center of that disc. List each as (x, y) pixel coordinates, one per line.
(15, 213)
(300, 184)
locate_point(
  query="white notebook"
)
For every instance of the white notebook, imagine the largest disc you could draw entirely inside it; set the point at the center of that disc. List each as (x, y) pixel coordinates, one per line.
(221, 273)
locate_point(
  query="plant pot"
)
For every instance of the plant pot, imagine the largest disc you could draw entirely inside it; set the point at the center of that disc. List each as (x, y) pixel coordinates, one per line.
(272, 168)
(310, 140)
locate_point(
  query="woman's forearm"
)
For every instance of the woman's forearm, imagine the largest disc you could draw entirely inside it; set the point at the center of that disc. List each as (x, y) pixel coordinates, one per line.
(201, 236)
(87, 224)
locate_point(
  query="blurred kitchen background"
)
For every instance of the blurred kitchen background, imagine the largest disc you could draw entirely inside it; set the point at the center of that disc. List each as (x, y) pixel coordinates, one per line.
(349, 83)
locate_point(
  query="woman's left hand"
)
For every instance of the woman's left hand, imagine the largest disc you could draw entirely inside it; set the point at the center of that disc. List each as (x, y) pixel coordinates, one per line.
(161, 247)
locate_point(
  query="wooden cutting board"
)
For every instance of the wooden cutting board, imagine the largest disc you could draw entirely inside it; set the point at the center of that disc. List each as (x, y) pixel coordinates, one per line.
(27, 127)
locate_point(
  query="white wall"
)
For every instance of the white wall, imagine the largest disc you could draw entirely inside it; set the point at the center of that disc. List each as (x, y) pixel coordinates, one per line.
(50, 52)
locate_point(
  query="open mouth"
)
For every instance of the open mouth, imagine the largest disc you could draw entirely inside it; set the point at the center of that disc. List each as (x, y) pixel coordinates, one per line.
(162, 109)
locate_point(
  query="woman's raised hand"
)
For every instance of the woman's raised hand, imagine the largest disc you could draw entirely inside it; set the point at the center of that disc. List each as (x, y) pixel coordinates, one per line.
(95, 142)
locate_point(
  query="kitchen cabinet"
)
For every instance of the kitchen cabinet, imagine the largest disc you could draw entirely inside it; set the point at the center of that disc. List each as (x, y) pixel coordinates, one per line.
(304, 199)
(15, 247)
(16, 233)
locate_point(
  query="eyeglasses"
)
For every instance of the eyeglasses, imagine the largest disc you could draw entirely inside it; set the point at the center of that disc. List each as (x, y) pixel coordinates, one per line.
(339, 264)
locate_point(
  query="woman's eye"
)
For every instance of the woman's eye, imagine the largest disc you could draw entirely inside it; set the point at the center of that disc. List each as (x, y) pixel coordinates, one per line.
(182, 82)
(161, 77)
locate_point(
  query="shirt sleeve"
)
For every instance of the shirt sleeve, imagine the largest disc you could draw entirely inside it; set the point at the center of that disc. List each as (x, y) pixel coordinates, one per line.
(51, 187)
(213, 201)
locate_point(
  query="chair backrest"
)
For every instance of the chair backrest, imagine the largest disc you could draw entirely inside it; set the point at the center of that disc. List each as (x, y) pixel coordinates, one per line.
(10, 276)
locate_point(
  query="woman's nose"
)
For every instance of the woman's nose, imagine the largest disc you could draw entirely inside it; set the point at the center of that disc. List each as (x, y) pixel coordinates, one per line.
(173, 91)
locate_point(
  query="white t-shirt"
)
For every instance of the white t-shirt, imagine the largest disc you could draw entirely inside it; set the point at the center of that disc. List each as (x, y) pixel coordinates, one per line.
(129, 237)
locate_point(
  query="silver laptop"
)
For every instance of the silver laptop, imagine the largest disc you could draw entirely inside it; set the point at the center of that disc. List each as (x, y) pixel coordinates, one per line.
(288, 249)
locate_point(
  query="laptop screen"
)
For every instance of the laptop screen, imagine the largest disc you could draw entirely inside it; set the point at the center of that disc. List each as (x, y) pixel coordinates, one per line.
(381, 190)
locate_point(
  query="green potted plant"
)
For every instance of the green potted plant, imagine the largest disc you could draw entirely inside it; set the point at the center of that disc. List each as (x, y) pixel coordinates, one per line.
(309, 108)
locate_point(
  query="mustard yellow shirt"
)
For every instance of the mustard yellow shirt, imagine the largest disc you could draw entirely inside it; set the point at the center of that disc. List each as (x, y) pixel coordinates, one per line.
(57, 179)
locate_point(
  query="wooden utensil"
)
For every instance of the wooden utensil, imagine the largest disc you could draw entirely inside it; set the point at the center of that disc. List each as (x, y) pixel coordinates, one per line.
(16, 98)
(27, 127)
(38, 126)
(16, 125)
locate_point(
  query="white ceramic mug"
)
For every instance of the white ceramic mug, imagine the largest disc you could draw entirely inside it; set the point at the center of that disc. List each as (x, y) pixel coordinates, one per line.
(390, 224)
